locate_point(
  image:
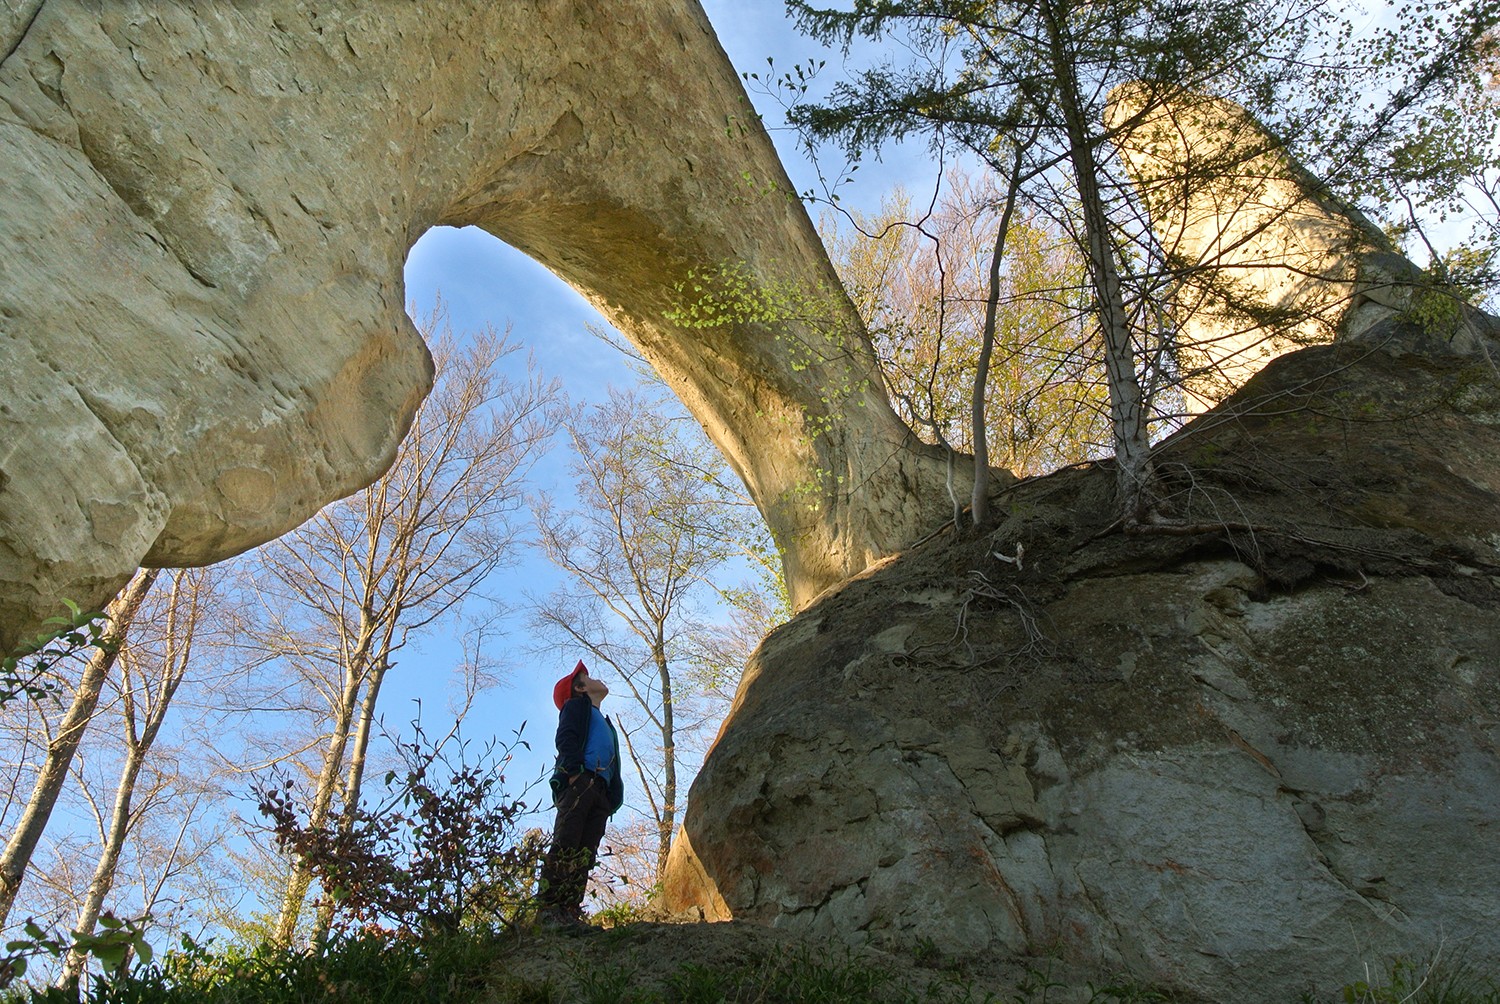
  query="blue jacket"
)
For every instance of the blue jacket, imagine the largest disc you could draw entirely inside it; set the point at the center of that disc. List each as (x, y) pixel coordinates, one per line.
(572, 738)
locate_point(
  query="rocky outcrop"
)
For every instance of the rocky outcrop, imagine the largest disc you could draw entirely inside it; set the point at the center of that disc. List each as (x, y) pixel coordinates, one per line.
(1237, 753)
(1268, 259)
(207, 209)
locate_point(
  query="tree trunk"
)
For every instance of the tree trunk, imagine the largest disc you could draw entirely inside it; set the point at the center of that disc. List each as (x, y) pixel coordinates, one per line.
(300, 877)
(354, 782)
(54, 772)
(667, 823)
(137, 747)
(979, 435)
(1127, 411)
(109, 859)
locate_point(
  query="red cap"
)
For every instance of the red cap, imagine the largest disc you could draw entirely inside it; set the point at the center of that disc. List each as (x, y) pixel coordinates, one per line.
(564, 687)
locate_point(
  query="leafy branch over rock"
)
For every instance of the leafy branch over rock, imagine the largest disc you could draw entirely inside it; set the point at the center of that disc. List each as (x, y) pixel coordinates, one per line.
(25, 671)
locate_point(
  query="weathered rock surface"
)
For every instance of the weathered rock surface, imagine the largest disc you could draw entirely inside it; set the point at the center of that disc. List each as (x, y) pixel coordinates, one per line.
(207, 208)
(1270, 260)
(1237, 753)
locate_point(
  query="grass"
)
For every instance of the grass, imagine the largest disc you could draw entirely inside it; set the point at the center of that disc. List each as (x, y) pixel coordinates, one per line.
(610, 968)
(1437, 981)
(366, 969)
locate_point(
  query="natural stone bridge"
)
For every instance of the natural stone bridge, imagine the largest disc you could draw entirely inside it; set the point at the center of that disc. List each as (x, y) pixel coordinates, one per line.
(206, 212)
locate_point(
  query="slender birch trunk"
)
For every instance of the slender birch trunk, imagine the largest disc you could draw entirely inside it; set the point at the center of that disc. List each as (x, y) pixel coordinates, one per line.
(667, 823)
(104, 872)
(138, 745)
(354, 782)
(54, 772)
(300, 877)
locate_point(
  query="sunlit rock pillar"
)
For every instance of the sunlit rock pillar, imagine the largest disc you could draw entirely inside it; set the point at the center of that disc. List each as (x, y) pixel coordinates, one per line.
(207, 209)
(1270, 261)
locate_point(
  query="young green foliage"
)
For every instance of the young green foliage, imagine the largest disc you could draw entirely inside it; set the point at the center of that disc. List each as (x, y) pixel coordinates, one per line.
(26, 671)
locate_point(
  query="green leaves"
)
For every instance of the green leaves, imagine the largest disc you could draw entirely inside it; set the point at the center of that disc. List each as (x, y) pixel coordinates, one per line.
(729, 295)
(22, 672)
(118, 940)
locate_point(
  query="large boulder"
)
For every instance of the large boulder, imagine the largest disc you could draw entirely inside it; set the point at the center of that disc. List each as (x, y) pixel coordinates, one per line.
(206, 212)
(1237, 753)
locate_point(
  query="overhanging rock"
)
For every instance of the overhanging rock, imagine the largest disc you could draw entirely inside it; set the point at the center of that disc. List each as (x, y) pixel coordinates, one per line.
(207, 209)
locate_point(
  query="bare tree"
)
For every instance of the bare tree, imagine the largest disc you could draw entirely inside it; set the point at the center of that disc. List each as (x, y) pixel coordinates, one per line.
(654, 524)
(949, 318)
(153, 664)
(344, 593)
(61, 747)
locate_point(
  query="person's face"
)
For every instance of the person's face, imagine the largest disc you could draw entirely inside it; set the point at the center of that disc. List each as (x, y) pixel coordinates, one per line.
(591, 687)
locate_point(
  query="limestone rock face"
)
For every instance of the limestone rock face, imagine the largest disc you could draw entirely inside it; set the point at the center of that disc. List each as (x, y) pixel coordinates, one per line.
(206, 212)
(1238, 753)
(1272, 262)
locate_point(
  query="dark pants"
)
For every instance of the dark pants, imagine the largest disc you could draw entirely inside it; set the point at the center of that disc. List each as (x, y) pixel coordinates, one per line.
(582, 812)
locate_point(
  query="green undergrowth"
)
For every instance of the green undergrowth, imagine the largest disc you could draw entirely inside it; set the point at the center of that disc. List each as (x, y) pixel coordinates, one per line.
(613, 967)
(1443, 981)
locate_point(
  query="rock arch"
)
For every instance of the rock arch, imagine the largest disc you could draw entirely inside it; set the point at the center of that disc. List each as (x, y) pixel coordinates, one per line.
(206, 213)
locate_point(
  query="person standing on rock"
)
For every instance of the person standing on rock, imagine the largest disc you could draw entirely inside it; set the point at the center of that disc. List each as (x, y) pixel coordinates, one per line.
(586, 789)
